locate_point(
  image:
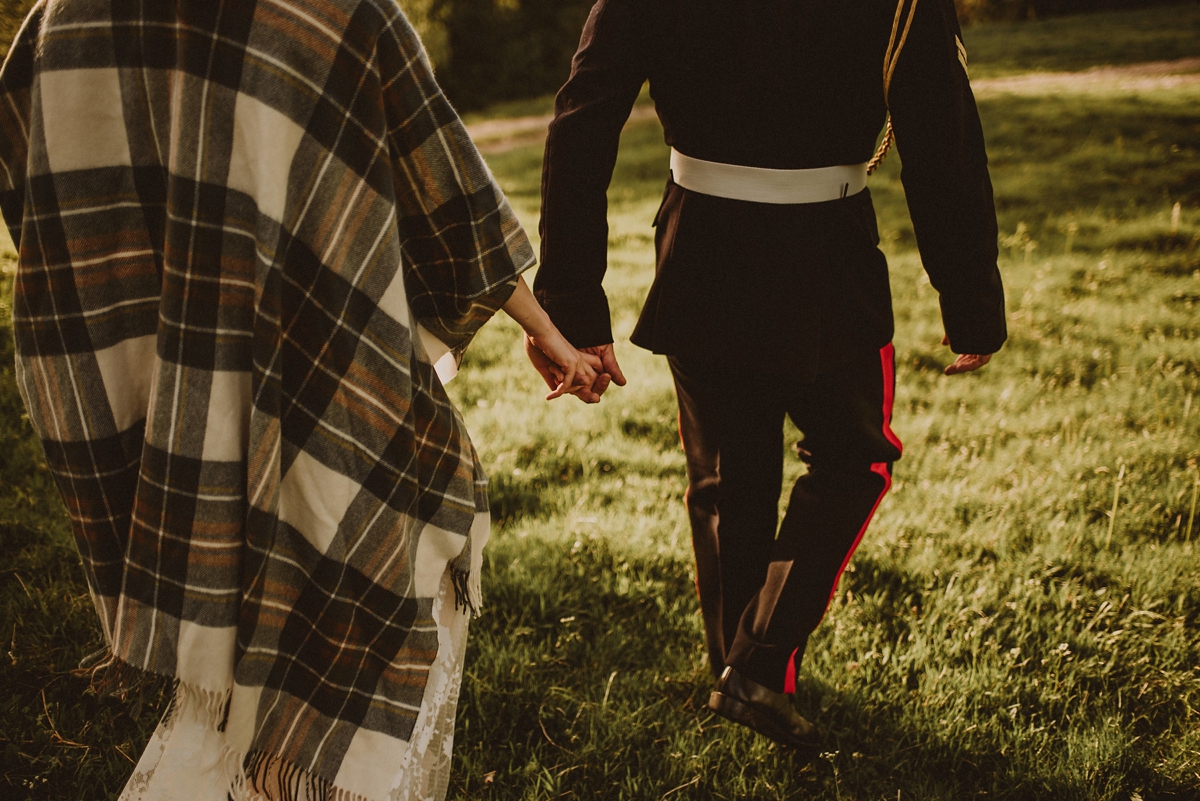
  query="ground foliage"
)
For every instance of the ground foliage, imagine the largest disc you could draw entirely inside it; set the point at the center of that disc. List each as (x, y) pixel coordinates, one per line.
(973, 11)
(1021, 622)
(12, 13)
(491, 50)
(1001, 633)
(487, 51)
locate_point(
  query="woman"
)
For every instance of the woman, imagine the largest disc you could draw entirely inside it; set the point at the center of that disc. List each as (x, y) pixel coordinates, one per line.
(246, 231)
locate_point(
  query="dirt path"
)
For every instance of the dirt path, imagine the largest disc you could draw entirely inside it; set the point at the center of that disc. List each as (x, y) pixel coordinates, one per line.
(498, 136)
(1130, 78)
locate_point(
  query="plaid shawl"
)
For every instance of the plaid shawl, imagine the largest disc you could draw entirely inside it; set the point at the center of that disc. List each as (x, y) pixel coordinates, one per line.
(231, 218)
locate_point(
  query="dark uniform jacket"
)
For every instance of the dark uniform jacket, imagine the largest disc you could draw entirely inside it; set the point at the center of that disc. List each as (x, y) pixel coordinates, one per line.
(785, 84)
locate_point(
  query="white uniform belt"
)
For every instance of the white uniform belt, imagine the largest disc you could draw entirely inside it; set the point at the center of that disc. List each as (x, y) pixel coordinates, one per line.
(762, 185)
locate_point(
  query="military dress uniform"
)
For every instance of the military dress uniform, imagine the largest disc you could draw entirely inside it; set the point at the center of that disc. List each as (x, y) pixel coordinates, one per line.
(774, 305)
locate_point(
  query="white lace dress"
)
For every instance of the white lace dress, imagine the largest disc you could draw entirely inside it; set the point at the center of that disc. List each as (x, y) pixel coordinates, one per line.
(186, 758)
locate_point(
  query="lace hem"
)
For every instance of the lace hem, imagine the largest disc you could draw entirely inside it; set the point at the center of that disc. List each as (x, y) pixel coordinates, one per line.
(187, 758)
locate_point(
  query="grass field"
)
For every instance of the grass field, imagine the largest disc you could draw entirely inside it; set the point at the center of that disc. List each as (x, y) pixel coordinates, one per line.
(1021, 622)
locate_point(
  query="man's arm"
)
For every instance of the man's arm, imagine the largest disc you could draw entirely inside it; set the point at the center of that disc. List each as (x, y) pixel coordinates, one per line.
(946, 181)
(607, 73)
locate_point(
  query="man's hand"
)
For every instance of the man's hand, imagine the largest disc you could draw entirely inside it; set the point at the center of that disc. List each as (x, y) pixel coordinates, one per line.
(966, 362)
(608, 363)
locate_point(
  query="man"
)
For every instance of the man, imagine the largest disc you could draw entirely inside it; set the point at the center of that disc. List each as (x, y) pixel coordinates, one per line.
(771, 296)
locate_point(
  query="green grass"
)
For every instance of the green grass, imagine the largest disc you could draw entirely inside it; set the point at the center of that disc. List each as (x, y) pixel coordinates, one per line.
(12, 14)
(59, 740)
(1001, 633)
(1077, 43)
(1060, 44)
(991, 639)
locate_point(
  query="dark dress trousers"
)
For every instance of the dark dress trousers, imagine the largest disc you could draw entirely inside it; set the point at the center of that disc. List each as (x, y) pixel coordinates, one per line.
(764, 309)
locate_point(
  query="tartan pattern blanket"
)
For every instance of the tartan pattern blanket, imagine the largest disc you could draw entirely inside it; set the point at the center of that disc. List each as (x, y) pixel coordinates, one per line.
(232, 217)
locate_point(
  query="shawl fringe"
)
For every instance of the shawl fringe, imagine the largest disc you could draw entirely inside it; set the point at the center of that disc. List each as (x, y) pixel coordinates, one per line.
(463, 597)
(466, 569)
(266, 776)
(256, 776)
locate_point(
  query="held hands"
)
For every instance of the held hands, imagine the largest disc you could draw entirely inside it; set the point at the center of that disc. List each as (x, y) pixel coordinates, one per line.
(567, 371)
(600, 358)
(966, 362)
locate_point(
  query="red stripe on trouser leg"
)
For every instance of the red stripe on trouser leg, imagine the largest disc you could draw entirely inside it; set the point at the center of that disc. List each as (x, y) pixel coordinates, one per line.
(887, 363)
(789, 681)
(879, 468)
(683, 445)
(887, 358)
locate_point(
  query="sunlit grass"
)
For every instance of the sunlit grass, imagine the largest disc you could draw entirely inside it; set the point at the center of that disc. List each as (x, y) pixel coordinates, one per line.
(1001, 632)
(1007, 630)
(1080, 42)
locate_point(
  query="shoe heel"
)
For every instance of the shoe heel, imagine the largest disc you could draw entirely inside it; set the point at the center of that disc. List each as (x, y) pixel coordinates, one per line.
(744, 715)
(728, 707)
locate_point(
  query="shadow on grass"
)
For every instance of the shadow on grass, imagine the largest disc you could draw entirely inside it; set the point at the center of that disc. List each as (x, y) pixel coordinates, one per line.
(657, 430)
(60, 740)
(880, 748)
(585, 678)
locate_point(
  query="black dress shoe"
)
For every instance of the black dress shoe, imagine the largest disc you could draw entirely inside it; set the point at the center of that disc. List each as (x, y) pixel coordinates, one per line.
(767, 712)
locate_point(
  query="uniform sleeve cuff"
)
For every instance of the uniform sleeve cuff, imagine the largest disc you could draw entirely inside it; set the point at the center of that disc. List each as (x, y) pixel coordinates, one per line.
(973, 327)
(582, 317)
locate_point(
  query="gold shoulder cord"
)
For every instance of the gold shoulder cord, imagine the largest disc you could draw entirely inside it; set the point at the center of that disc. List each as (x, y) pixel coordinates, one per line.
(889, 66)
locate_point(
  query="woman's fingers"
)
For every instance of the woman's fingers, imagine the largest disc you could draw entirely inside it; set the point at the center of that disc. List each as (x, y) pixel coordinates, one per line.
(582, 378)
(563, 388)
(590, 391)
(587, 372)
